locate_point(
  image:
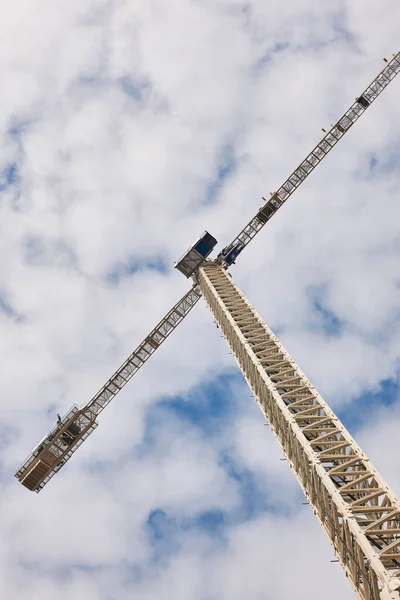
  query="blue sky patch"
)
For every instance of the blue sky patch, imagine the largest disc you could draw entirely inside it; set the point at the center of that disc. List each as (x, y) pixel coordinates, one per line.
(226, 165)
(342, 31)
(166, 532)
(382, 166)
(7, 309)
(34, 250)
(390, 162)
(373, 161)
(130, 268)
(9, 176)
(361, 409)
(210, 408)
(331, 324)
(322, 317)
(137, 89)
(254, 497)
(211, 521)
(266, 58)
(161, 526)
(47, 251)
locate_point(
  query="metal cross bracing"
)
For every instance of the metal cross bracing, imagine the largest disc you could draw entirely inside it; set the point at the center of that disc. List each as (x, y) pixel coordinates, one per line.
(57, 448)
(354, 505)
(143, 352)
(316, 155)
(34, 465)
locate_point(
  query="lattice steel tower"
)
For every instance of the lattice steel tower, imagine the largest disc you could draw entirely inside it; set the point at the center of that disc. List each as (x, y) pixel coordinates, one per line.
(353, 503)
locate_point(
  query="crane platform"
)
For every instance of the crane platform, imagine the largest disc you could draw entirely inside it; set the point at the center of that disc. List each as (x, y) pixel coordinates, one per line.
(196, 256)
(56, 449)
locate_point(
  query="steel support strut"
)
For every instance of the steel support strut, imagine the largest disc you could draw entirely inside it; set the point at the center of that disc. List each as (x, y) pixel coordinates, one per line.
(55, 450)
(143, 352)
(321, 150)
(354, 505)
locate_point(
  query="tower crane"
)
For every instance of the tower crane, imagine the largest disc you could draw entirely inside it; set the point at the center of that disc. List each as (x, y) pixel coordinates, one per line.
(354, 505)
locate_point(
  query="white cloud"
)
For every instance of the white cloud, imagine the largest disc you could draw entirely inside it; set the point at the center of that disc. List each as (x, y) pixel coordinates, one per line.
(115, 120)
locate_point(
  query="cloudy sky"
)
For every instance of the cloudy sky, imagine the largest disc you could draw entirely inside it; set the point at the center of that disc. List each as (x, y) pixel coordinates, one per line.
(127, 128)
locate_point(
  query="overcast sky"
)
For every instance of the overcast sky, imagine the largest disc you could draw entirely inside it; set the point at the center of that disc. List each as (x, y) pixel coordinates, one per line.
(127, 128)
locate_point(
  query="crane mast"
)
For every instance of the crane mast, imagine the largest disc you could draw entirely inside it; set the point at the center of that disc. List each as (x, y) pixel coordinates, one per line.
(354, 505)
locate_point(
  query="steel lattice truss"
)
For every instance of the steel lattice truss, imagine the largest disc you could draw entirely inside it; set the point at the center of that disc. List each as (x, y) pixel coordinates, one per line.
(355, 506)
(143, 352)
(59, 446)
(353, 503)
(318, 153)
(55, 449)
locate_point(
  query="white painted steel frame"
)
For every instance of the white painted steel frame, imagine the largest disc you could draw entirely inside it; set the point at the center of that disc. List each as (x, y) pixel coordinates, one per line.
(313, 159)
(143, 352)
(52, 451)
(86, 418)
(354, 505)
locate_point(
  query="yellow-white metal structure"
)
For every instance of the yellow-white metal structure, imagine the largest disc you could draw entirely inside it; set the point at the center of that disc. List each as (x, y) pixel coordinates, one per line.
(62, 442)
(353, 503)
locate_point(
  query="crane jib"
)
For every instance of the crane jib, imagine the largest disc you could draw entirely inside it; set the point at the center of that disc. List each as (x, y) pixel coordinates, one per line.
(313, 159)
(62, 441)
